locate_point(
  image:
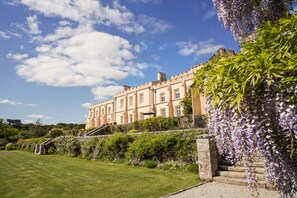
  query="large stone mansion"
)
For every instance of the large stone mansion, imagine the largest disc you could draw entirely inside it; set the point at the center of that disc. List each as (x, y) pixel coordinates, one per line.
(156, 98)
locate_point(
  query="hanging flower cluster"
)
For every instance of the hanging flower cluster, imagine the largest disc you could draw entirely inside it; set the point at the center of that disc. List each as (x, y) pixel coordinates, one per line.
(252, 104)
(244, 16)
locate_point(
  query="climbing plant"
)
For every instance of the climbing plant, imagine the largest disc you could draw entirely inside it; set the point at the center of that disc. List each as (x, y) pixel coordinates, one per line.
(252, 103)
(242, 17)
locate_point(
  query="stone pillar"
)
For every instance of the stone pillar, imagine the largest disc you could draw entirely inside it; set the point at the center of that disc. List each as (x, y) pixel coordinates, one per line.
(207, 156)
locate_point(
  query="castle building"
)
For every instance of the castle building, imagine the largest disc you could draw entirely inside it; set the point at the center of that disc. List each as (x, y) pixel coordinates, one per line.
(156, 98)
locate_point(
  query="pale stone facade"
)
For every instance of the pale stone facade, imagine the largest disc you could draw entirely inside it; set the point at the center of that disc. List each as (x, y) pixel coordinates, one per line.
(156, 98)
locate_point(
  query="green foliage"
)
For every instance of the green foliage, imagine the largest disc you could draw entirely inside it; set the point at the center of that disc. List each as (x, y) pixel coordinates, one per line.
(68, 146)
(10, 146)
(88, 149)
(187, 103)
(55, 132)
(156, 124)
(163, 147)
(29, 144)
(273, 54)
(150, 164)
(117, 146)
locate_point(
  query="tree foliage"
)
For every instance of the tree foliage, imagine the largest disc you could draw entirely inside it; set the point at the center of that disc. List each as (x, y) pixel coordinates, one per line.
(244, 16)
(187, 103)
(252, 103)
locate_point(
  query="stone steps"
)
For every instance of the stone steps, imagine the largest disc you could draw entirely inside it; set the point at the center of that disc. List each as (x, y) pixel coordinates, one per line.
(239, 168)
(238, 175)
(236, 181)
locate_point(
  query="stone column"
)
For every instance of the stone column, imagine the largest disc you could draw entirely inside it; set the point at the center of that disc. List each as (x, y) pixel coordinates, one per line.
(207, 156)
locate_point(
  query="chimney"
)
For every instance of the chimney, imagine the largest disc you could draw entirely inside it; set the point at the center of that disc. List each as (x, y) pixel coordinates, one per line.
(161, 76)
(126, 87)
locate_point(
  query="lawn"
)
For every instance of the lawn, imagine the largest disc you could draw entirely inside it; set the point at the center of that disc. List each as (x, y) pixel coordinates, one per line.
(23, 174)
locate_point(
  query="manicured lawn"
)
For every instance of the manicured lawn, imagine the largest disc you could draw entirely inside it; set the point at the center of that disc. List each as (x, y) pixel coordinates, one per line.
(23, 174)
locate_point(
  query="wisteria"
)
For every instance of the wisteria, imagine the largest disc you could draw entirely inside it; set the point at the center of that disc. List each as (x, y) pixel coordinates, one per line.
(242, 17)
(265, 126)
(252, 104)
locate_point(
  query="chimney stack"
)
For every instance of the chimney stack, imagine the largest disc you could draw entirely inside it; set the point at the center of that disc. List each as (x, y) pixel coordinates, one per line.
(161, 76)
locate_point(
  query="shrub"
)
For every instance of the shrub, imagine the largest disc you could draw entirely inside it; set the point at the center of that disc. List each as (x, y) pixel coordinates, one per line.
(68, 146)
(29, 144)
(88, 149)
(150, 164)
(117, 146)
(10, 146)
(55, 132)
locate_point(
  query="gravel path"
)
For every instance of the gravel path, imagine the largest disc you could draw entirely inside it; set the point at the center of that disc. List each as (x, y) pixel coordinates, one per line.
(219, 190)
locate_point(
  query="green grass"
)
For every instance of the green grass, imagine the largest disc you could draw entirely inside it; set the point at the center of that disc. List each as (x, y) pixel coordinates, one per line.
(23, 174)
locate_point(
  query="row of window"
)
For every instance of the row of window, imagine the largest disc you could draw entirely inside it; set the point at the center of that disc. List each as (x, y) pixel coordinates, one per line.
(141, 98)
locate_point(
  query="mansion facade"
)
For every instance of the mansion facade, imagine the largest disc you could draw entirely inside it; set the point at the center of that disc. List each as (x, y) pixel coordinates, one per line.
(157, 98)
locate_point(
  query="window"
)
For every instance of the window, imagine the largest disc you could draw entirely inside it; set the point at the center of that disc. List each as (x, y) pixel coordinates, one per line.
(163, 112)
(141, 116)
(141, 98)
(122, 119)
(91, 114)
(178, 111)
(177, 93)
(96, 113)
(131, 118)
(122, 103)
(130, 100)
(102, 110)
(162, 97)
(109, 110)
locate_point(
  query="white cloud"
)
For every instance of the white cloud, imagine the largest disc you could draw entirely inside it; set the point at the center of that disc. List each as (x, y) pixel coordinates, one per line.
(154, 25)
(187, 48)
(28, 121)
(64, 23)
(86, 58)
(32, 22)
(4, 35)
(102, 93)
(155, 57)
(197, 49)
(209, 14)
(37, 116)
(17, 57)
(86, 105)
(32, 105)
(88, 11)
(146, 1)
(9, 102)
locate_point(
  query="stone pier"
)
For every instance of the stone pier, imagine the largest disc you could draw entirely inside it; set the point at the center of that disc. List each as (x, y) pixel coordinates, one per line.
(207, 156)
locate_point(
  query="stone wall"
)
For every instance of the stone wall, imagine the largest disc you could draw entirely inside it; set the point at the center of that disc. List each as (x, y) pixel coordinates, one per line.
(208, 158)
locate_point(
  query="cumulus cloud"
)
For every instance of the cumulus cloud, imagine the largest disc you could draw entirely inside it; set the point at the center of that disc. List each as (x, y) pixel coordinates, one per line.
(84, 59)
(32, 105)
(32, 22)
(146, 1)
(9, 102)
(4, 35)
(37, 116)
(102, 93)
(154, 25)
(209, 14)
(87, 11)
(86, 105)
(197, 49)
(28, 121)
(17, 57)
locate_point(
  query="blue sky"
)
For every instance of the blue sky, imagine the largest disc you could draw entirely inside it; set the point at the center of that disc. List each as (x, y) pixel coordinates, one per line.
(57, 56)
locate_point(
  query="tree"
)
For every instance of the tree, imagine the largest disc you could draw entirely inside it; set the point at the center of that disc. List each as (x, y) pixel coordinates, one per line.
(252, 103)
(242, 17)
(187, 103)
